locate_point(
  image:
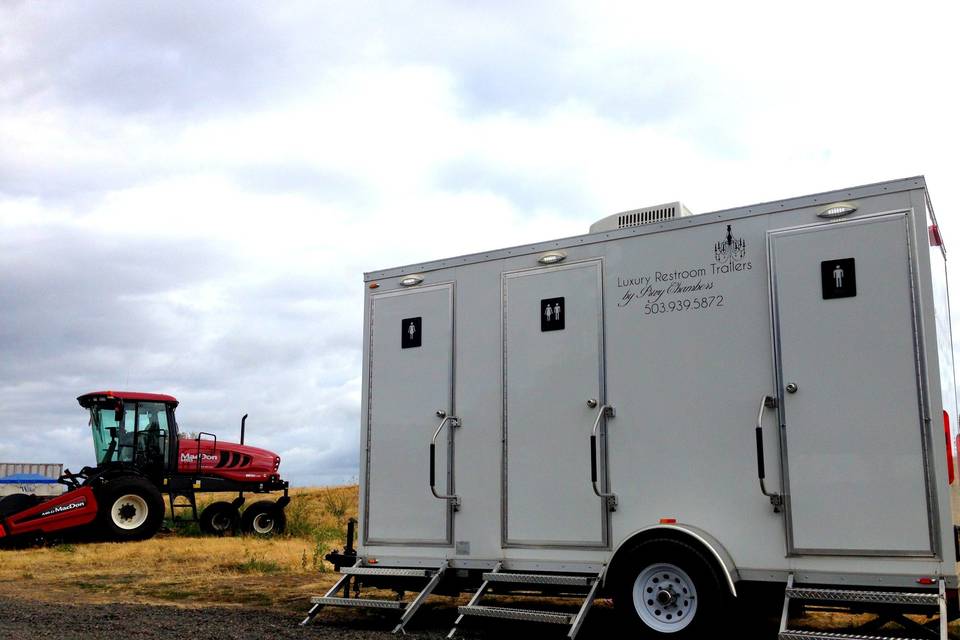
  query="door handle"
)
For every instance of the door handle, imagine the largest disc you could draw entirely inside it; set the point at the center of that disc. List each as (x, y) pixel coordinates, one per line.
(605, 411)
(453, 498)
(792, 387)
(776, 499)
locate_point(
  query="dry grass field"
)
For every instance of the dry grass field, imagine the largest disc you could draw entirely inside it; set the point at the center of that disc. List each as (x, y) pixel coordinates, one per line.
(185, 569)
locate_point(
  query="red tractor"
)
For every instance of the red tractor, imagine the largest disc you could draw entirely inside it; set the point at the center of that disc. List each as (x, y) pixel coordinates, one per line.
(141, 456)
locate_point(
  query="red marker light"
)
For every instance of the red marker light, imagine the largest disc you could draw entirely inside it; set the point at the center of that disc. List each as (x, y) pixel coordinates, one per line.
(374, 285)
(946, 433)
(926, 581)
(668, 521)
(936, 240)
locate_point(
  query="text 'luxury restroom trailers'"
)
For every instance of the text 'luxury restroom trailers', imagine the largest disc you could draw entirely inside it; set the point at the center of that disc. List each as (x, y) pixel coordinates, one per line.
(664, 410)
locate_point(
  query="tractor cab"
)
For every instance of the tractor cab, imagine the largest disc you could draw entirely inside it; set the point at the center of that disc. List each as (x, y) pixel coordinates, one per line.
(137, 429)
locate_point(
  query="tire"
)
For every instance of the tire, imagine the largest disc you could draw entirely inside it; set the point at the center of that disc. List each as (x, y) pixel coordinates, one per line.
(219, 518)
(669, 589)
(130, 508)
(17, 502)
(264, 518)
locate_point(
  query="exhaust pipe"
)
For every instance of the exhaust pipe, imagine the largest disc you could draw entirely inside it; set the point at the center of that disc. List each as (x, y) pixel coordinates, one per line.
(243, 427)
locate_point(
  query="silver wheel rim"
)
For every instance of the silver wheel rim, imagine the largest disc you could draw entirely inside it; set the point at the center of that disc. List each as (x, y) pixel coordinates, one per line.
(220, 522)
(665, 598)
(129, 512)
(262, 523)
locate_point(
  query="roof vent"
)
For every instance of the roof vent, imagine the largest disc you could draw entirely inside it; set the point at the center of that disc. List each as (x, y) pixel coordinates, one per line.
(637, 217)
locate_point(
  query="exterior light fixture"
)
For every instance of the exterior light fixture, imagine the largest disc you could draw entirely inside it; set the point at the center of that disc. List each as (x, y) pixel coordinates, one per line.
(837, 210)
(410, 281)
(551, 258)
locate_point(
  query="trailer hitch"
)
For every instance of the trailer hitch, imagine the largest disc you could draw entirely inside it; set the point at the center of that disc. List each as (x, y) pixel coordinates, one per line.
(768, 402)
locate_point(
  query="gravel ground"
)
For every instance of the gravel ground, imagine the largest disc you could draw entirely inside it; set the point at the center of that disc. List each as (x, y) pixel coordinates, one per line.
(29, 620)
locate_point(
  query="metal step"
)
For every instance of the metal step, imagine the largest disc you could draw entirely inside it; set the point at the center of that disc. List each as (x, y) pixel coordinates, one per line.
(855, 597)
(851, 595)
(830, 635)
(540, 578)
(351, 575)
(387, 571)
(517, 614)
(330, 601)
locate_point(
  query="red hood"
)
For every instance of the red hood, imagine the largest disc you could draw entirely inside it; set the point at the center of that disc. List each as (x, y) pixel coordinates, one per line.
(228, 460)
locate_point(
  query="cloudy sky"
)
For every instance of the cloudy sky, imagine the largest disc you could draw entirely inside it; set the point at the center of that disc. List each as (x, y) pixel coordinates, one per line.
(191, 191)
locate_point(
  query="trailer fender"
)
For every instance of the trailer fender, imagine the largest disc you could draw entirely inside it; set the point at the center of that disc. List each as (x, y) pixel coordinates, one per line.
(688, 533)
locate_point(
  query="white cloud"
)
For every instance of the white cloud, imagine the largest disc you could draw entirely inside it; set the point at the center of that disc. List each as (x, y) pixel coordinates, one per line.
(189, 194)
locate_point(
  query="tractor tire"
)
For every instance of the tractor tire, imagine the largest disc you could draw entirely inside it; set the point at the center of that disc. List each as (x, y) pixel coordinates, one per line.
(264, 518)
(130, 508)
(17, 502)
(219, 518)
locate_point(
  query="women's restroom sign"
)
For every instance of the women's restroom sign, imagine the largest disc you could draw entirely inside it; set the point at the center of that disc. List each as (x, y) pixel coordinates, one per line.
(411, 332)
(838, 278)
(553, 314)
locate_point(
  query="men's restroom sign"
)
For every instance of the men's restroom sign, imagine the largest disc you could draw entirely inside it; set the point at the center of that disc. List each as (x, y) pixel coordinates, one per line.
(839, 278)
(411, 332)
(553, 314)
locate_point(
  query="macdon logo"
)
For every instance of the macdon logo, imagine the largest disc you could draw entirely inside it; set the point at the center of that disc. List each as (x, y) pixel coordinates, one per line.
(65, 507)
(192, 457)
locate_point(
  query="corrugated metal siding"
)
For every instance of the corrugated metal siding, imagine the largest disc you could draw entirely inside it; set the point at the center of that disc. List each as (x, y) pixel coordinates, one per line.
(51, 471)
(47, 470)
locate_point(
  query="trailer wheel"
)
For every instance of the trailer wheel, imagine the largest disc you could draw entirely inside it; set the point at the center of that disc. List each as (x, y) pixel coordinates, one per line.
(130, 509)
(264, 518)
(219, 518)
(668, 589)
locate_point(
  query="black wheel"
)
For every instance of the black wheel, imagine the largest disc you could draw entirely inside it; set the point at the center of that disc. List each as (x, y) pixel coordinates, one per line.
(668, 589)
(219, 518)
(264, 518)
(17, 502)
(130, 508)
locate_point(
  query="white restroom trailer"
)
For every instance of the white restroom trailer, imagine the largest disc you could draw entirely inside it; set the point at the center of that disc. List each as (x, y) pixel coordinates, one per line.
(664, 411)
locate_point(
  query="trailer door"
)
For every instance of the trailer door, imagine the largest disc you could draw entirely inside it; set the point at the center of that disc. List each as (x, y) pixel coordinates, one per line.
(552, 365)
(411, 378)
(853, 436)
